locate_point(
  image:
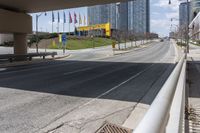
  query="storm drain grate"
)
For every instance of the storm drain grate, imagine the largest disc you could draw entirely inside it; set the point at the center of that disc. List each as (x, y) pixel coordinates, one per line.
(112, 128)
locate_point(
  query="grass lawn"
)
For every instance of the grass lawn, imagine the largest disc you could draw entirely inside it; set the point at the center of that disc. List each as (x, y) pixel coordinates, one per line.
(74, 44)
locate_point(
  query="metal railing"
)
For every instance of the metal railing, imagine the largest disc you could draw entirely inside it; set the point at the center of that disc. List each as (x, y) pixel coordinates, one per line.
(166, 113)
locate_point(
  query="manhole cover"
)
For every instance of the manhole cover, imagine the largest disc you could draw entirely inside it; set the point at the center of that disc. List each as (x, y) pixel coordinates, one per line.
(112, 128)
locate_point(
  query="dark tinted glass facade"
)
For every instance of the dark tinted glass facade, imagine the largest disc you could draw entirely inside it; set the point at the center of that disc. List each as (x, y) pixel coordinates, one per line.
(132, 15)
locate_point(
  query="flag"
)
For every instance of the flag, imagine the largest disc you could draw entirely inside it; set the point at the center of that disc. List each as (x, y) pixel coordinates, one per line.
(84, 20)
(70, 18)
(80, 19)
(75, 19)
(64, 17)
(53, 19)
(58, 17)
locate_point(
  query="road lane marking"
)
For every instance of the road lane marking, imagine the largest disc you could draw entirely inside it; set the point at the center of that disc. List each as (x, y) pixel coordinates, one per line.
(2, 69)
(80, 70)
(115, 87)
(103, 94)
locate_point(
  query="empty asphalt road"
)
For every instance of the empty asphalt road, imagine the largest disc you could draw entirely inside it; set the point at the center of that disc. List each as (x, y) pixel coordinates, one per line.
(75, 96)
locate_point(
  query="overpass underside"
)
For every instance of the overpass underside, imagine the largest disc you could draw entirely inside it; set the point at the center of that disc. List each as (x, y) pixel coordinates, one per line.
(16, 20)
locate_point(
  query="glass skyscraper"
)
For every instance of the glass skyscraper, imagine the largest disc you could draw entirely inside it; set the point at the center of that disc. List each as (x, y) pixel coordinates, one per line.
(183, 17)
(132, 15)
(102, 14)
(123, 16)
(139, 16)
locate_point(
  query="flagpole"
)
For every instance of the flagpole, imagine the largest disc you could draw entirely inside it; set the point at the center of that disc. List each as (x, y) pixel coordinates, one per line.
(69, 28)
(52, 26)
(52, 21)
(63, 27)
(70, 21)
(75, 24)
(79, 25)
(58, 26)
(58, 22)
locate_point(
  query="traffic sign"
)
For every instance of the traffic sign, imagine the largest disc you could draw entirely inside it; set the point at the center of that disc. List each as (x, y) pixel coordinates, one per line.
(64, 38)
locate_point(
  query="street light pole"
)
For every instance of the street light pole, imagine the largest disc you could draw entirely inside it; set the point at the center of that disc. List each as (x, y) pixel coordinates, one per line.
(188, 21)
(118, 24)
(37, 38)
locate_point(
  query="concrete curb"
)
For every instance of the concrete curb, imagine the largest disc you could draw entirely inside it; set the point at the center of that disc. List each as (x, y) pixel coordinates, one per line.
(61, 57)
(128, 50)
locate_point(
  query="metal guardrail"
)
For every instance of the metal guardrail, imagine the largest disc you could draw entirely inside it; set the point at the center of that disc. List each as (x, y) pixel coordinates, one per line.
(166, 113)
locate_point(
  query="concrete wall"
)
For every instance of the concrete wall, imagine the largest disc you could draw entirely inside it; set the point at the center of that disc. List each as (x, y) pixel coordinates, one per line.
(12, 22)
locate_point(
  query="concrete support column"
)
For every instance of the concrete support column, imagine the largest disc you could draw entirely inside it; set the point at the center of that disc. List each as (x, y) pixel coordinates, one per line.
(20, 24)
(20, 43)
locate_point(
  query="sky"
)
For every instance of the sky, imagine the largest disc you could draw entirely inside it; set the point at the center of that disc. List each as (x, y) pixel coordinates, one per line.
(160, 15)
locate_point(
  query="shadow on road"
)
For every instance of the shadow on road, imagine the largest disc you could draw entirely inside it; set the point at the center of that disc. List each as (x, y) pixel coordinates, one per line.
(124, 81)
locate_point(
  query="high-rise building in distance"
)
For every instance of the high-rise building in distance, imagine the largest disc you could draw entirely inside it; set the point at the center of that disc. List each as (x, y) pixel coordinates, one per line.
(132, 15)
(102, 14)
(139, 16)
(183, 17)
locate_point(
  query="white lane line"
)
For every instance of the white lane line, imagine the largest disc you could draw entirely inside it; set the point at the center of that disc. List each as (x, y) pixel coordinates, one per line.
(114, 88)
(2, 69)
(80, 70)
(103, 94)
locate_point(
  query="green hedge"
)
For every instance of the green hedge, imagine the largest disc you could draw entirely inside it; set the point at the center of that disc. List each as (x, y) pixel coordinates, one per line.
(181, 44)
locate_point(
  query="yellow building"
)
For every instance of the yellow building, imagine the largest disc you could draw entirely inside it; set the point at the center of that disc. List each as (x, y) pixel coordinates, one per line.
(105, 27)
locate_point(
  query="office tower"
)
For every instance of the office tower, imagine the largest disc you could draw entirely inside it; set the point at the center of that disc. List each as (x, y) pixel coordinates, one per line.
(139, 16)
(133, 15)
(183, 14)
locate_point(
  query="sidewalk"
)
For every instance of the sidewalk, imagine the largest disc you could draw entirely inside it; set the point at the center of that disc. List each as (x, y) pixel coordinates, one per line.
(98, 53)
(193, 84)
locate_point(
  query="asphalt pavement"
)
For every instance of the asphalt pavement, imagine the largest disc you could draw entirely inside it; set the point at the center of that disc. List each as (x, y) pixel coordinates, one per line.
(80, 93)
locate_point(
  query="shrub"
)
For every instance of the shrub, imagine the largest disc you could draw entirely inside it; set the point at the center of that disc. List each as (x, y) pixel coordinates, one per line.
(181, 44)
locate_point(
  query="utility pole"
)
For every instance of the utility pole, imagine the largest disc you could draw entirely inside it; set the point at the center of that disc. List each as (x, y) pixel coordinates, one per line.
(188, 21)
(188, 29)
(37, 37)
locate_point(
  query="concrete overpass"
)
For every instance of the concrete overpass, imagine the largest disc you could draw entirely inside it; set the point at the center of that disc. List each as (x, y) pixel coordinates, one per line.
(15, 18)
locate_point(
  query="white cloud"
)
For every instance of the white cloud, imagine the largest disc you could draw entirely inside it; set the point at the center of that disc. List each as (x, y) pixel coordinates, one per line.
(172, 15)
(160, 26)
(159, 23)
(155, 13)
(165, 4)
